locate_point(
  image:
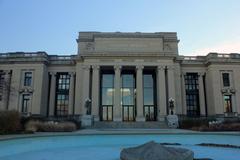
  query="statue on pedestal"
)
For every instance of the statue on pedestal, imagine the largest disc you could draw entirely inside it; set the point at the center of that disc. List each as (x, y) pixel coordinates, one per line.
(172, 119)
(171, 105)
(88, 106)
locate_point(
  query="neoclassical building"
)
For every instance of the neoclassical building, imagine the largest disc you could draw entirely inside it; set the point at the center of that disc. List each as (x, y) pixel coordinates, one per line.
(127, 77)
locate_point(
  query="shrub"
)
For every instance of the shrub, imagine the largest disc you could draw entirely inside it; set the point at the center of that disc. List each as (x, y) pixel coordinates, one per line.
(49, 126)
(225, 127)
(190, 123)
(32, 126)
(10, 122)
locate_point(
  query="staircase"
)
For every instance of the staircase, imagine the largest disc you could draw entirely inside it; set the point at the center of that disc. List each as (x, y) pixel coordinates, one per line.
(117, 125)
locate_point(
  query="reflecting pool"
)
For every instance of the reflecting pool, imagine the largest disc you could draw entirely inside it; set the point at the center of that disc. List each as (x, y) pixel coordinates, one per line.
(108, 147)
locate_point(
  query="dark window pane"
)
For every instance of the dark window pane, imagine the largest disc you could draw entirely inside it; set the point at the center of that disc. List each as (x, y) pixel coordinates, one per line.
(228, 103)
(27, 78)
(226, 81)
(148, 96)
(128, 80)
(62, 92)
(107, 96)
(192, 94)
(148, 80)
(25, 103)
(107, 80)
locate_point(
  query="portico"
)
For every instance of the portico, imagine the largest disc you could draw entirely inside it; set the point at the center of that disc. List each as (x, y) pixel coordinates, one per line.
(127, 92)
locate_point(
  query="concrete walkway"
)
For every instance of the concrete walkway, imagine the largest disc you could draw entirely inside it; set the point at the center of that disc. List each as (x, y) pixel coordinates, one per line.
(113, 132)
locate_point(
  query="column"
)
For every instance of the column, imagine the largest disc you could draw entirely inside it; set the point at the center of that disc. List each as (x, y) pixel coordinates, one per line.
(86, 86)
(171, 86)
(184, 105)
(71, 93)
(201, 94)
(161, 80)
(78, 109)
(6, 89)
(95, 92)
(52, 94)
(140, 116)
(117, 108)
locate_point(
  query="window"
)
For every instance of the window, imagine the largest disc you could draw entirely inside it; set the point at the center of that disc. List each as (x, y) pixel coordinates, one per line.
(1, 85)
(192, 94)
(128, 96)
(27, 78)
(227, 103)
(148, 96)
(107, 95)
(226, 80)
(62, 94)
(25, 103)
(107, 89)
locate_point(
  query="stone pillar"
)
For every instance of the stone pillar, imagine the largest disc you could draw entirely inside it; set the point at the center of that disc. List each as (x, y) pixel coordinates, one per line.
(201, 94)
(161, 81)
(71, 93)
(140, 116)
(6, 89)
(184, 105)
(52, 94)
(78, 109)
(117, 108)
(95, 92)
(86, 86)
(171, 86)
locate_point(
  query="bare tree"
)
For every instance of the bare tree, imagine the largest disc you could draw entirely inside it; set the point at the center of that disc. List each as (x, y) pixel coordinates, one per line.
(6, 90)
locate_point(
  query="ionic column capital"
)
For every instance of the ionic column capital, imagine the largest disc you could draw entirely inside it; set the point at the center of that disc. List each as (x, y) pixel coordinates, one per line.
(95, 67)
(183, 74)
(170, 67)
(86, 67)
(139, 67)
(161, 67)
(53, 73)
(117, 68)
(72, 74)
(200, 74)
(7, 71)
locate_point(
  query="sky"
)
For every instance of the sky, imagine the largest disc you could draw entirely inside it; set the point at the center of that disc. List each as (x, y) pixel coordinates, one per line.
(202, 26)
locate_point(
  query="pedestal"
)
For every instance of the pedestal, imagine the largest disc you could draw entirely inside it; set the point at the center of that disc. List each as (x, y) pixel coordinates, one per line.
(172, 121)
(87, 121)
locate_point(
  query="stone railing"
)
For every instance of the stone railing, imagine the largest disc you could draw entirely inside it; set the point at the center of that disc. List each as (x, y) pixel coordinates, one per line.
(23, 54)
(192, 58)
(210, 56)
(223, 56)
(63, 57)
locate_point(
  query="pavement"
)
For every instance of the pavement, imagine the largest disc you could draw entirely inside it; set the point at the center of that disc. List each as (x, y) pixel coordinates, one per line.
(125, 131)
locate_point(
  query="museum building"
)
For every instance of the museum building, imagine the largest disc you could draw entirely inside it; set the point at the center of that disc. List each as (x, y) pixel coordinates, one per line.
(124, 76)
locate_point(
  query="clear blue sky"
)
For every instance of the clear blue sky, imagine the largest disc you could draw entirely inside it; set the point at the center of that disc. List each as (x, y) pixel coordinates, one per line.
(53, 25)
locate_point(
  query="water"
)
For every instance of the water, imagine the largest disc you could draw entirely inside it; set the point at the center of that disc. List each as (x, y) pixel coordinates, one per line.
(108, 147)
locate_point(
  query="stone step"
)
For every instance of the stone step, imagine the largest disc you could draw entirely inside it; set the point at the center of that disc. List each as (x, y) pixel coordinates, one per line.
(150, 125)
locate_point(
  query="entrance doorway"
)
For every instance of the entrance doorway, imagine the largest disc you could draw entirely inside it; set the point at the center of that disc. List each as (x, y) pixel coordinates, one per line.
(128, 96)
(149, 95)
(107, 93)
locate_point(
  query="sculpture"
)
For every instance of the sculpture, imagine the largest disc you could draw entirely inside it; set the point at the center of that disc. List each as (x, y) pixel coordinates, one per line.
(171, 105)
(172, 119)
(88, 107)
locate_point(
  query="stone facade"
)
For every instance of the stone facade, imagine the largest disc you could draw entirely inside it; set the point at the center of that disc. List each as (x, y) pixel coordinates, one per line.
(53, 85)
